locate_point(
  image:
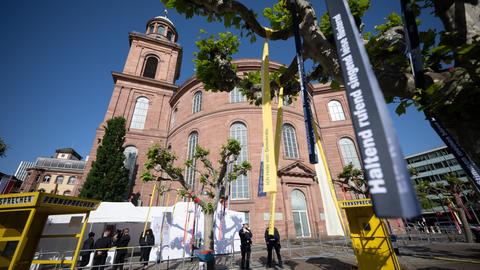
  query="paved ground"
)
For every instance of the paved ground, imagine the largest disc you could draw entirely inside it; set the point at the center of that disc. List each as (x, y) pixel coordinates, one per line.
(441, 256)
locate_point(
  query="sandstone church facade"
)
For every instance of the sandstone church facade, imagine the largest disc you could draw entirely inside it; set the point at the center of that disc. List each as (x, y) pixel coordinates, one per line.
(180, 117)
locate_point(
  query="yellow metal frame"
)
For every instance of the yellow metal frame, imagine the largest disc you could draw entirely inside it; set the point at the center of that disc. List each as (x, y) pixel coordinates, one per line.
(370, 238)
(35, 207)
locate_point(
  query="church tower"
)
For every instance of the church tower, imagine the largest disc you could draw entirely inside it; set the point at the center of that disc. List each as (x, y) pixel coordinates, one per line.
(141, 95)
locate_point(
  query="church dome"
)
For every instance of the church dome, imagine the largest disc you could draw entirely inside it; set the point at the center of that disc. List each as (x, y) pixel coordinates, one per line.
(162, 27)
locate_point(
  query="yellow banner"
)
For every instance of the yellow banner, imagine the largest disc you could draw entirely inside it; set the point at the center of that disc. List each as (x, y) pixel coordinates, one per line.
(269, 167)
(271, 222)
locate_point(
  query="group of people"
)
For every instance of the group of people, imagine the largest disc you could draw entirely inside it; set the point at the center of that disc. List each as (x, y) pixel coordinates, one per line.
(272, 242)
(120, 240)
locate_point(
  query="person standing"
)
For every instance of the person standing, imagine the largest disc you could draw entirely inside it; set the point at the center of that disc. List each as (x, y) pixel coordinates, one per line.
(122, 243)
(245, 246)
(101, 252)
(273, 242)
(87, 249)
(146, 242)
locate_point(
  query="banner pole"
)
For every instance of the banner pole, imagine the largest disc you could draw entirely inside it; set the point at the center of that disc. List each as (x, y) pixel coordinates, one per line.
(307, 113)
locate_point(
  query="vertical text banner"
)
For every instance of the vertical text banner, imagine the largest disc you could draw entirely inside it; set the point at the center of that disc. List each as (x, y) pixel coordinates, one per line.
(384, 166)
(269, 167)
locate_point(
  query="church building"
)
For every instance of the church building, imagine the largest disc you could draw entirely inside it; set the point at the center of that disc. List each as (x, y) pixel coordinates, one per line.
(181, 116)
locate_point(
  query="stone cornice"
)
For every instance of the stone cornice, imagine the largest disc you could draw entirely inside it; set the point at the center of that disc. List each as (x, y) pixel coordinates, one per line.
(143, 80)
(141, 36)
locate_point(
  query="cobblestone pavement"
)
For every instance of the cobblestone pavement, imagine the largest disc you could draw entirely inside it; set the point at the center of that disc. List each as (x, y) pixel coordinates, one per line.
(441, 256)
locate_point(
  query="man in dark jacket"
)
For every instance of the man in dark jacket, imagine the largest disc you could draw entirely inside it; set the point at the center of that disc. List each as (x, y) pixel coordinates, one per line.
(122, 243)
(87, 249)
(146, 241)
(273, 242)
(101, 252)
(245, 246)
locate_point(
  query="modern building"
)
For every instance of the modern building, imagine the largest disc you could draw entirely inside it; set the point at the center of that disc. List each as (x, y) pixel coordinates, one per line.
(60, 174)
(180, 117)
(432, 166)
(9, 184)
(21, 172)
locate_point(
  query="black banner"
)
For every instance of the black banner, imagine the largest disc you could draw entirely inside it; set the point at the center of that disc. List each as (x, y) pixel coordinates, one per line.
(413, 43)
(384, 166)
(307, 113)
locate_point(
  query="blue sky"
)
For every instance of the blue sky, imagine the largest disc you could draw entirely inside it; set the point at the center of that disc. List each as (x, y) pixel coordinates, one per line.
(57, 57)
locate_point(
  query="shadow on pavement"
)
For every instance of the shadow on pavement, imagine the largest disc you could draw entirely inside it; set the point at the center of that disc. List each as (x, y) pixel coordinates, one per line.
(331, 263)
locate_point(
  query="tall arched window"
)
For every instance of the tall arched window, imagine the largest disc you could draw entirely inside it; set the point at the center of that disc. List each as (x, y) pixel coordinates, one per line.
(300, 214)
(192, 144)
(131, 154)
(140, 113)
(240, 187)
(150, 67)
(197, 102)
(237, 96)
(72, 180)
(290, 141)
(59, 179)
(349, 152)
(174, 116)
(170, 35)
(160, 29)
(335, 110)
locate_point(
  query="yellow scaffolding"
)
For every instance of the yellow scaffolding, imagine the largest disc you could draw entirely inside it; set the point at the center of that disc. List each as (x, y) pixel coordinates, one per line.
(22, 218)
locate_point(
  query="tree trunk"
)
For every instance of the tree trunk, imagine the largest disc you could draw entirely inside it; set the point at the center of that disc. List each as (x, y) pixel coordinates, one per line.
(208, 231)
(463, 217)
(466, 227)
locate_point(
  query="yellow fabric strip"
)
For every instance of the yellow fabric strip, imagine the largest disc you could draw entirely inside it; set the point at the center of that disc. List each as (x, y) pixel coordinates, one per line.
(271, 222)
(150, 207)
(278, 139)
(278, 127)
(269, 168)
(329, 176)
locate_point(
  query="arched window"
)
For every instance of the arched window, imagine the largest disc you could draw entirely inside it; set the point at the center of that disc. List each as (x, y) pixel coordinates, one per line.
(41, 190)
(67, 193)
(290, 141)
(72, 180)
(151, 29)
(349, 152)
(236, 96)
(160, 29)
(300, 214)
(174, 116)
(59, 179)
(131, 154)
(192, 144)
(240, 187)
(150, 67)
(46, 178)
(139, 113)
(197, 102)
(335, 110)
(170, 35)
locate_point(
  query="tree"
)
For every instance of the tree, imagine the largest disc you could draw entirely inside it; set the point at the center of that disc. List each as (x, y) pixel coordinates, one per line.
(3, 148)
(108, 180)
(450, 55)
(450, 192)
(351, 179)
(215, 181)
